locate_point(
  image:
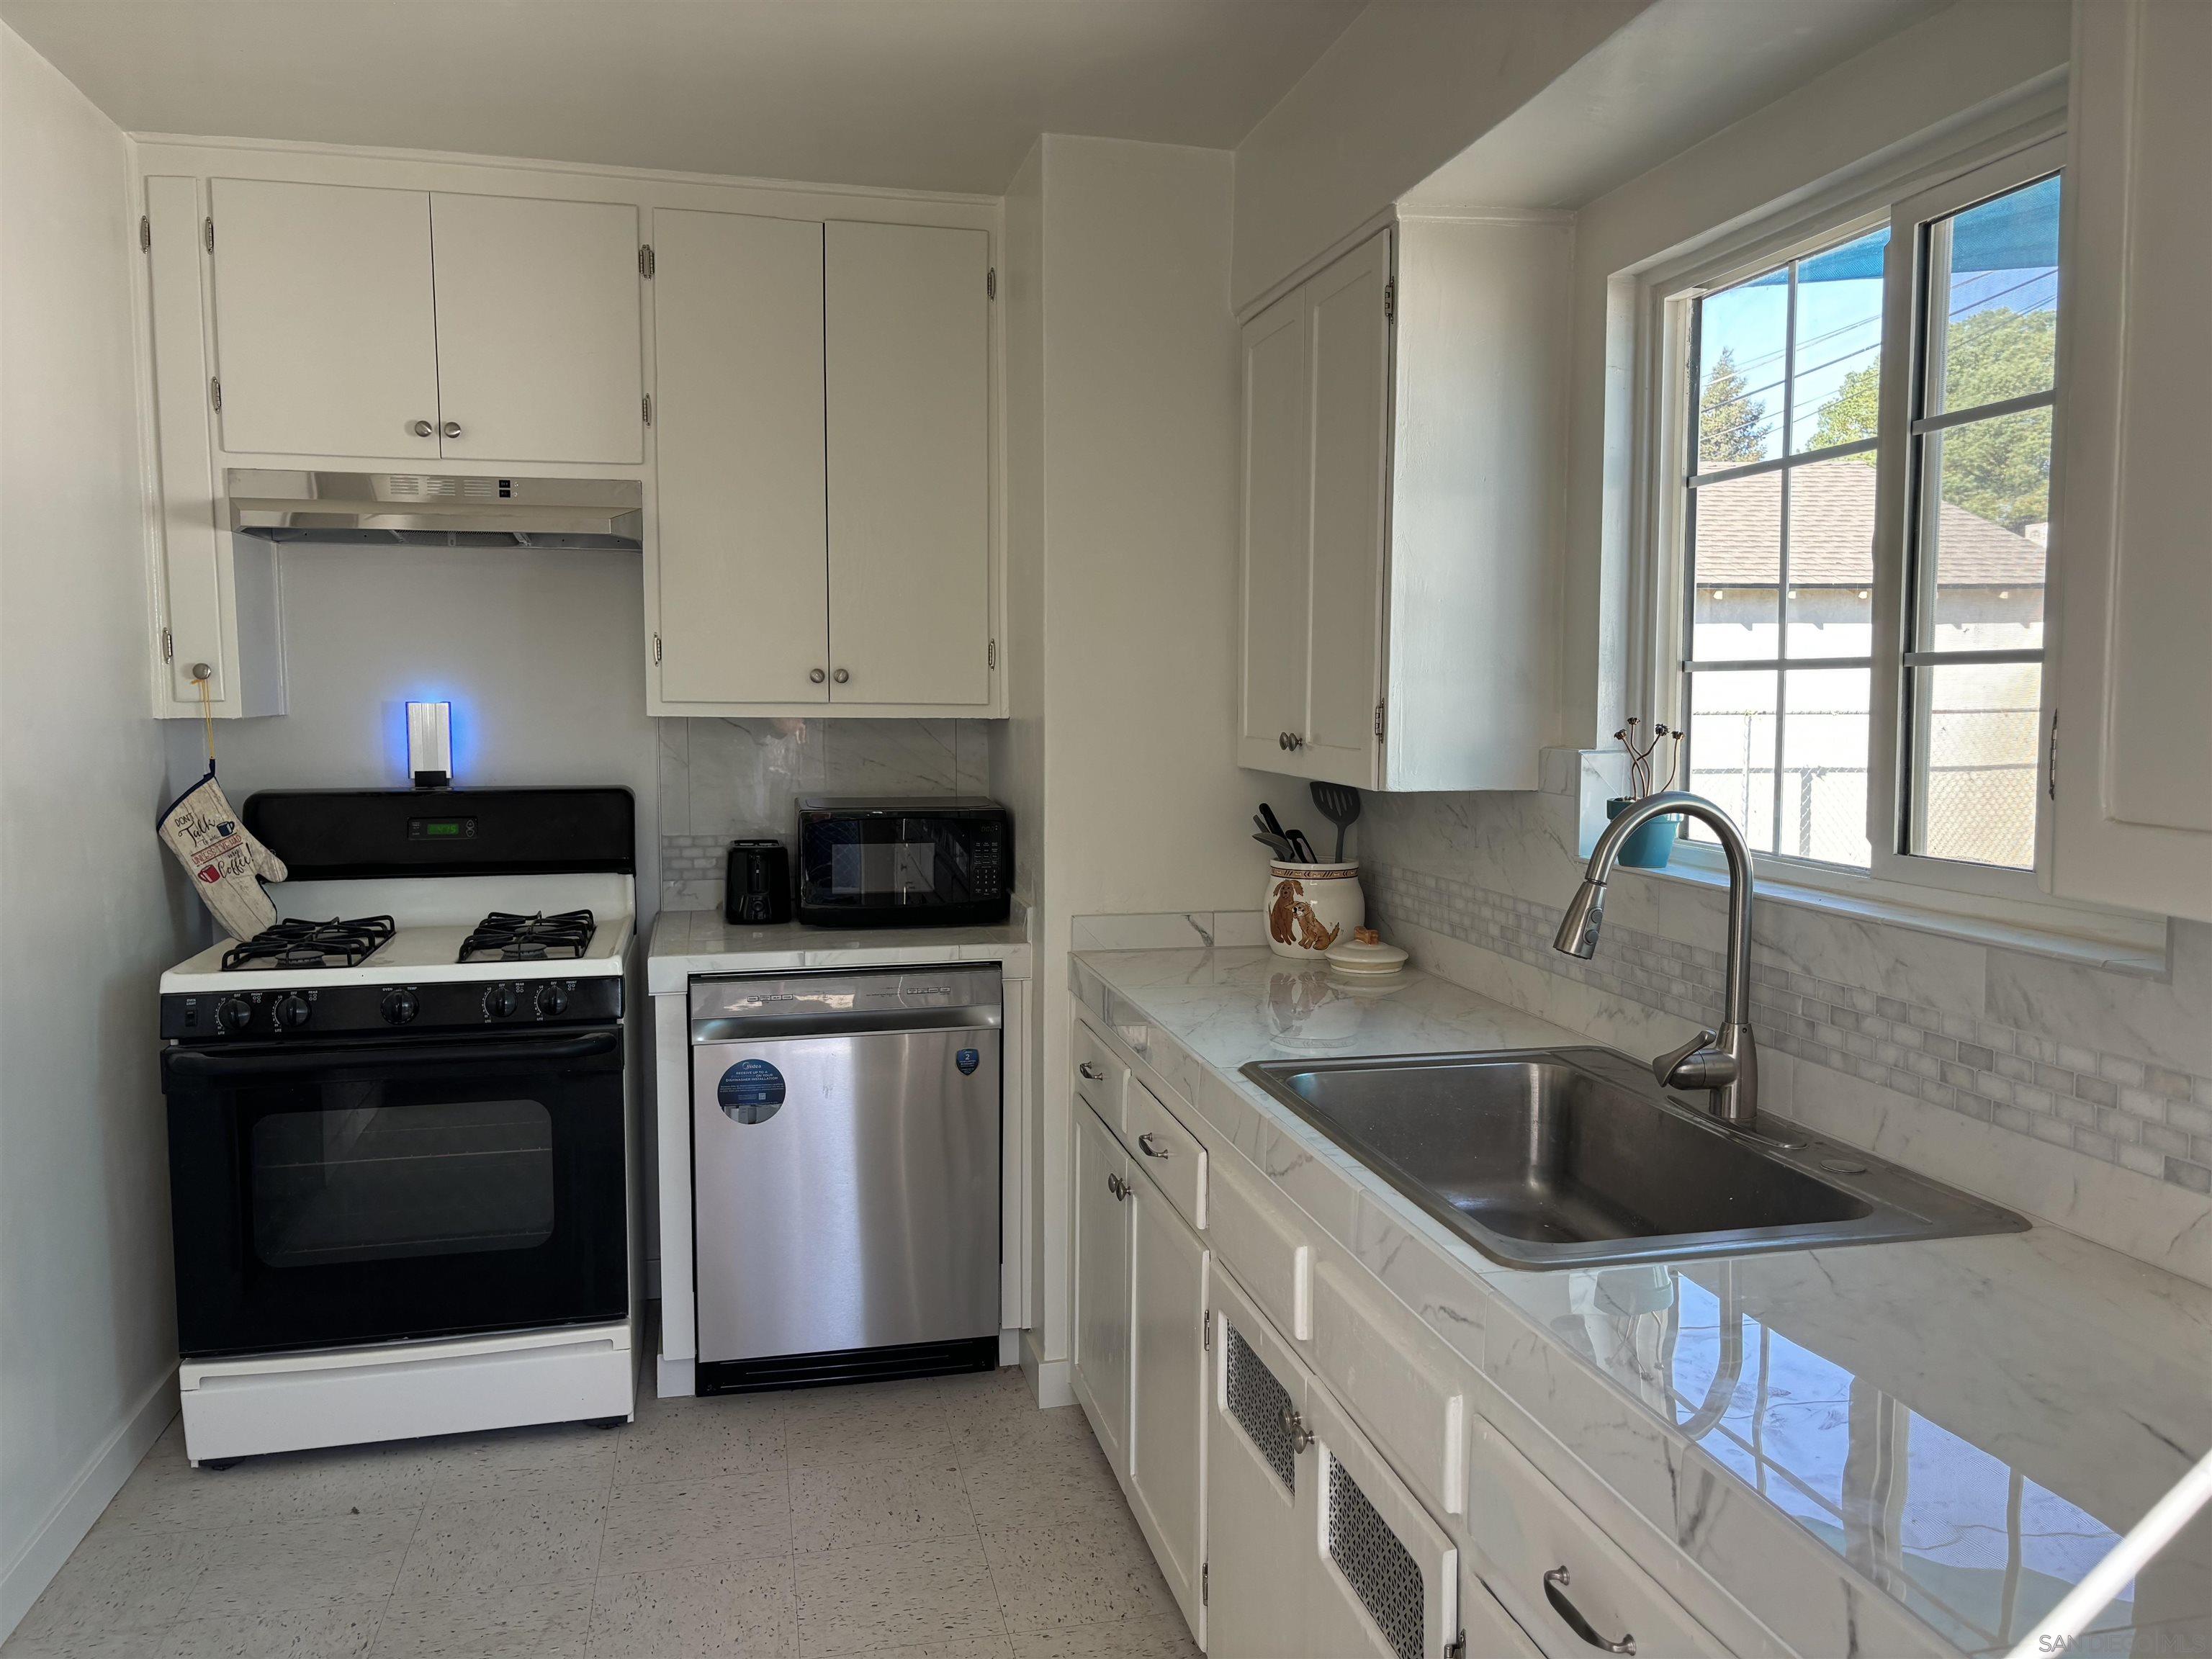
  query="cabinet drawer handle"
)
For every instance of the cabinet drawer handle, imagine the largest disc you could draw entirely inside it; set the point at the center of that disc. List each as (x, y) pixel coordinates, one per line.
(817, 676)
(452, 428)
(1555, 1592)
(425, 429)
(1295, 1426)
(1085, 1069)
(1151, 1146)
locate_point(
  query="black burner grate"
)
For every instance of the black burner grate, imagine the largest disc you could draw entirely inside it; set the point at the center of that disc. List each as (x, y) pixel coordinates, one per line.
(298, 944)
(502, 937)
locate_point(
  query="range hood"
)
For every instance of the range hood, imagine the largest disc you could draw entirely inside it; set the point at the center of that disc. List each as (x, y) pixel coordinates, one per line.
(432, 510)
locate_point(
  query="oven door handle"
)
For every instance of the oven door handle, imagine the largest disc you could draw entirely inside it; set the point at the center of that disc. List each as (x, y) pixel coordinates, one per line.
(198, 1062)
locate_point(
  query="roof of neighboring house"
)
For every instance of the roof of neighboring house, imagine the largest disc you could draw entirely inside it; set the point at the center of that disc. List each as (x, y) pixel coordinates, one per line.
(1832, 534)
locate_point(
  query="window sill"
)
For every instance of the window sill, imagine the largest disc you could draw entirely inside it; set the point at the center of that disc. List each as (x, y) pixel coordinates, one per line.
(2145, 953)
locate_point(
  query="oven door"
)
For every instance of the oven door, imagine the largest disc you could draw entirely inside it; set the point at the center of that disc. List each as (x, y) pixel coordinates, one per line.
(393, 1188)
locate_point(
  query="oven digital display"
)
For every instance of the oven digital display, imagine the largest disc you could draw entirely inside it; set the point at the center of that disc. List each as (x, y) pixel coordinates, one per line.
(441, 828)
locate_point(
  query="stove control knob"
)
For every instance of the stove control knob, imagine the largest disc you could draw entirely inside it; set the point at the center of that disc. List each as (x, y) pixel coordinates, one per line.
(552, 1002)
(398, 1007)
(499, 1001)
(235, 1014)
(294, 1009)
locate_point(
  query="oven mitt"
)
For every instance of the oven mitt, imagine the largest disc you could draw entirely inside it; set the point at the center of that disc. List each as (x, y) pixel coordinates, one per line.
(226, 864)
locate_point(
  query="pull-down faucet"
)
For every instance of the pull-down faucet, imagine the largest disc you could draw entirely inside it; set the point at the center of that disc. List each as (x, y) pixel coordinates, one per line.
(1726, 1062)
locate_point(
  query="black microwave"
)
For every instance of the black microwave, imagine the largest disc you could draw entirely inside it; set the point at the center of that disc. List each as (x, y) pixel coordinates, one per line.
(906, 862)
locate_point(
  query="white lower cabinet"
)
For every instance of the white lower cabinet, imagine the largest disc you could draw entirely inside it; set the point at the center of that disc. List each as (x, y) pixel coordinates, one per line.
(1167, 1404)
(1100, 1371)
(1491, 1631)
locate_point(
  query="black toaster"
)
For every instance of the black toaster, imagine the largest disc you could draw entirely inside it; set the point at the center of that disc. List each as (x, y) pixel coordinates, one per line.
(758, 890)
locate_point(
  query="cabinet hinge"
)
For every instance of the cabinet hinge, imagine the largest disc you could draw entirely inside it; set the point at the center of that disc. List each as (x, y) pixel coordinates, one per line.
(168, 645)
(1206, 1329)
(656, 648)
(645, 260)
(1456, 1648)
(215, 393)
(1389, 302)
(645, 408)
(991, 282)
(991, 656)
(145, 233)
(1206, 1583)
(2051, 768)
(208, 234)
(1378, 718)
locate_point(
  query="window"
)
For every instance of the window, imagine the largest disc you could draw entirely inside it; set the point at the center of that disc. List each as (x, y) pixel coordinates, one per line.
(1852, 628)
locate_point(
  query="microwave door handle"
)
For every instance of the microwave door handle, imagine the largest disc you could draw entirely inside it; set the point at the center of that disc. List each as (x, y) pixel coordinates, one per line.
(198, 1062)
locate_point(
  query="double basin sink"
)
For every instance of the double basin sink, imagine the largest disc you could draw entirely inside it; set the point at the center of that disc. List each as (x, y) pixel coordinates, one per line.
(1574, 1157)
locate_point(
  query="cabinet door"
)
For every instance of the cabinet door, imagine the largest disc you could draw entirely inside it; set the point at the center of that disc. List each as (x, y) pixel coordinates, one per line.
(1259, 1483)
(1167, 1395)
(1348, 346)
(744, 555)
(1490, 1630)
(1277, 490)
(1383, 1579)
(908, 362)
(1101, 1367)
(2131, 798)
(539, 353)
(324, 319)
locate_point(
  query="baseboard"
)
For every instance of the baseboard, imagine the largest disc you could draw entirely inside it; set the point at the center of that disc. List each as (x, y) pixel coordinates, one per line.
(1052, 1381)
(94, 1487)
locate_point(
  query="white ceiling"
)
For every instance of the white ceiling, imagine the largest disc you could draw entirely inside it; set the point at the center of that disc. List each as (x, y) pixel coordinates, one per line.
(932, 95)
(1674, 75)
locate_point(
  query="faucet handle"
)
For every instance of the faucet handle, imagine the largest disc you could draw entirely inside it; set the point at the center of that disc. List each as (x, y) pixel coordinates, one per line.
(1696, 1064)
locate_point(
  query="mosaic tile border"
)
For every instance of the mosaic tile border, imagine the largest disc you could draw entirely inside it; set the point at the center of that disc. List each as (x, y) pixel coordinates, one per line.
(2119, 1110)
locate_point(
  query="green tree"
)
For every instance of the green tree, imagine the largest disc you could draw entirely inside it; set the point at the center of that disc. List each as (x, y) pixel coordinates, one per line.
(1730, 425)
(1999, 470)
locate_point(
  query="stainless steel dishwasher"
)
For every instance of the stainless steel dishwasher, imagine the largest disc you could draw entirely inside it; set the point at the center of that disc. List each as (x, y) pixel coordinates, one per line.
(845, 1174)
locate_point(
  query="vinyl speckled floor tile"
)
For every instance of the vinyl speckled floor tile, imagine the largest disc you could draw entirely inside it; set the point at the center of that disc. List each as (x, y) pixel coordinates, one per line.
(895, 1499)
(922, 1594)
(742, 1612)
(1128, 1638)
(826, 1426)
(491, 1621)
(1086, 1573)
(697, 1523)
(276, 1565)
(695, 1439)
(536, 1540)
(337, 1629)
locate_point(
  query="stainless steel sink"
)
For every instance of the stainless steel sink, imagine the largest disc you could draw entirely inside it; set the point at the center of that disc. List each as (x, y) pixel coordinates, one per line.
(1573, 1157)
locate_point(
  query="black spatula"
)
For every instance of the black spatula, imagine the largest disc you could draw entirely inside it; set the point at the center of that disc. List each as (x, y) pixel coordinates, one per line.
(1339, 805)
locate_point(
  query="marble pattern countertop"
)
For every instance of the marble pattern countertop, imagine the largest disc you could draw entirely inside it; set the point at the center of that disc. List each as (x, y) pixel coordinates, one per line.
(1927, 1443)
(688, 942)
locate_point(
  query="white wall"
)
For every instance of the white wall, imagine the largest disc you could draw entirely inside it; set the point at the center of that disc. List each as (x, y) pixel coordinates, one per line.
(1851, 122)
(89, 912)
(1400, 92)
(1124, 546)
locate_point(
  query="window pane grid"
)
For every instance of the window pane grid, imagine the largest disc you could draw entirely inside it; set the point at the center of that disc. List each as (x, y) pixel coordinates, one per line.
(1778, 551)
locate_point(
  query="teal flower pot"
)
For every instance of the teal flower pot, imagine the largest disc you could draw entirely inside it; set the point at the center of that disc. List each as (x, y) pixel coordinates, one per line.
(1649, 845)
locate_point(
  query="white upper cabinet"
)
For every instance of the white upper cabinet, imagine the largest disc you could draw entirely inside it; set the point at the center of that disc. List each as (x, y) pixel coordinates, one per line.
(907, 359)
(737, 312)
(1404, 426)
(398, 325)
(325, 341)
(2131, 785)
(538, 339)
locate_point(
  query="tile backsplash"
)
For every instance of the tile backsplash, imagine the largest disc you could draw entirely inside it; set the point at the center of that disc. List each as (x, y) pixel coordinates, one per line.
(2041, 1079)
(723, 780)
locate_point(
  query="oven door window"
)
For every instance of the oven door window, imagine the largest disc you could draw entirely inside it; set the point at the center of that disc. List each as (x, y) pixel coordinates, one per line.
(366, 1177)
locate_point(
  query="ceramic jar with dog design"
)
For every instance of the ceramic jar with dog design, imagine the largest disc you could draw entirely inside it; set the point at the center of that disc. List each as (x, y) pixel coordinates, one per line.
(1310, 907)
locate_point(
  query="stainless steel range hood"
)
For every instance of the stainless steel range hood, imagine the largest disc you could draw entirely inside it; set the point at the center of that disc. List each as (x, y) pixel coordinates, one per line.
(431, 510)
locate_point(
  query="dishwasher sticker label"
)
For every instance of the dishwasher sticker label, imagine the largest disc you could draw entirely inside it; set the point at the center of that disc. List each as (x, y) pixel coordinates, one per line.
(750, 1091)
(967, 1060)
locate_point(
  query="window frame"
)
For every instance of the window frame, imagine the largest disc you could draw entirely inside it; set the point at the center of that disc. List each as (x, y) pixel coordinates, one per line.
(2015, 149)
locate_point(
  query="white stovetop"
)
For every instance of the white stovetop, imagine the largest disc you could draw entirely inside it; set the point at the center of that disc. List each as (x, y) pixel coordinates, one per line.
(432, 915)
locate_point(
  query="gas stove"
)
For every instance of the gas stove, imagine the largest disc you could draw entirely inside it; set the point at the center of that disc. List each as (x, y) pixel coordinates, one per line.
(398, 1127)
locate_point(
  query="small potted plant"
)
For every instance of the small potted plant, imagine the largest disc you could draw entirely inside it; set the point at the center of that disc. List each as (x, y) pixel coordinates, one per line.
(1652, 844)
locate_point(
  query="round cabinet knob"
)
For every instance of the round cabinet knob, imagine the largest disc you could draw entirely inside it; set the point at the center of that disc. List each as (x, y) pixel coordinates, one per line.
(425, 429)
(817, 676)
(235, 1014)
(1282, 740)
(499, 1001)
(841, 675)
(294, 1009)
(552, 1002)
(452, 428)
(398, 1007)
